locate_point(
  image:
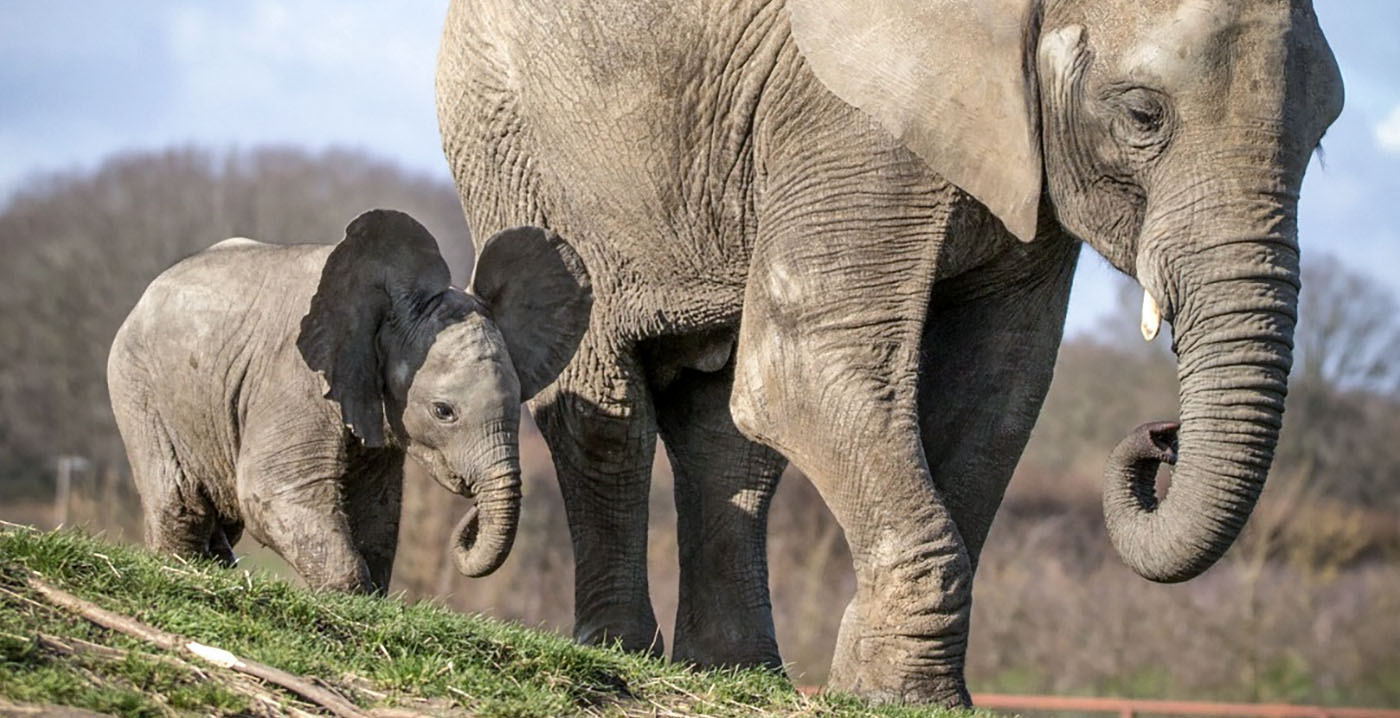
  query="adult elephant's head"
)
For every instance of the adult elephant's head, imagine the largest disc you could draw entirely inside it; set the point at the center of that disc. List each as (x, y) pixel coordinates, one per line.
(1170, 135)
(441, 372)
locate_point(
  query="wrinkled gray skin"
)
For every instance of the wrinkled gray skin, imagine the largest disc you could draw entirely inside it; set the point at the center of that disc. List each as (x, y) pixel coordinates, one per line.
(843, 232)
(278, 388)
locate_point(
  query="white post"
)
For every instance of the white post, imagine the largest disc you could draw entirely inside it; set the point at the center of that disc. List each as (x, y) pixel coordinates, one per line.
(64, 491)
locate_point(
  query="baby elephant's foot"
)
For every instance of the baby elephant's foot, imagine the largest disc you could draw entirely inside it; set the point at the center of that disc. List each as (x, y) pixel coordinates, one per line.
(356, 581)
(348, 574)
(220, 546)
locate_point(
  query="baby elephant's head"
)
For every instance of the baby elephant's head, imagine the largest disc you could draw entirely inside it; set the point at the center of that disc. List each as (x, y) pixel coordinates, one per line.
(441, 372)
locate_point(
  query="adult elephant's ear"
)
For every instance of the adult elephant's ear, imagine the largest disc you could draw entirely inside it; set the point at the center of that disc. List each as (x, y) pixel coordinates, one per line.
(386, 261)
(539, 294)
(950, 78)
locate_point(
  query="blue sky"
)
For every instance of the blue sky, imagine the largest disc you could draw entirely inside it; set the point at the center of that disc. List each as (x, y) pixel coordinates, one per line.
(81, 80)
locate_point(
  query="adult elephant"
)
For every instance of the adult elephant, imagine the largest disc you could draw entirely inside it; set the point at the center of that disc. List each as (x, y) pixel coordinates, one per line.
(843, 232)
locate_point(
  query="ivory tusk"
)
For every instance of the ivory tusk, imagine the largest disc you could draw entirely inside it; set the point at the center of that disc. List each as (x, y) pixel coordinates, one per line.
(1151, 316)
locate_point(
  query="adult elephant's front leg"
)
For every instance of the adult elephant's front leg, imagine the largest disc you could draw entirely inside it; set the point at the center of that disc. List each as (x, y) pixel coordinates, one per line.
(598, 421)
(827, 373)
(988, 353)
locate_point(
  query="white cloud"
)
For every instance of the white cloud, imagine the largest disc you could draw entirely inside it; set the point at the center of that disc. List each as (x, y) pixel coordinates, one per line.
(1388, 131)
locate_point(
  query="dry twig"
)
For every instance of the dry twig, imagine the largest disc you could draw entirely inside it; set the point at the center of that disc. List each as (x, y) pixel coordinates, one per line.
(322, 697)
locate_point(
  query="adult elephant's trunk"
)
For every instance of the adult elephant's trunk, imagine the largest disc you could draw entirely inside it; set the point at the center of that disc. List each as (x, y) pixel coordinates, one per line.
(1235, 301)
(485, 534)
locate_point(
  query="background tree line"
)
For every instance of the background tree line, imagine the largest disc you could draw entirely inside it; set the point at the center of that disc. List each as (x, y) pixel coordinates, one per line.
(1306, 607)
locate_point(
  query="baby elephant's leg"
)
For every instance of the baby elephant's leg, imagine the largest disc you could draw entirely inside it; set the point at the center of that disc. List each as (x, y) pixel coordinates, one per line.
(296, 510)
(373, 497)
(179, 517)
(183, 524)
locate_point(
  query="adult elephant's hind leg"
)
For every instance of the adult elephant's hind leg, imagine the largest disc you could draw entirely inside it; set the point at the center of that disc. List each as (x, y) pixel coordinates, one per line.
(724, 484)
(598, 421)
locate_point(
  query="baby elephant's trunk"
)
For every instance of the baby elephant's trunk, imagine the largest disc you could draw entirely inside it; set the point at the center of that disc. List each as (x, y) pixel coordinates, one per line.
(485, 534)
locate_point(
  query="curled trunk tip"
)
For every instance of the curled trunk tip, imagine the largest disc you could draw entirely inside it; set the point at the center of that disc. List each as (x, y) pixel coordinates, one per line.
(1130, 495)
(474, 556)
(1136, 460)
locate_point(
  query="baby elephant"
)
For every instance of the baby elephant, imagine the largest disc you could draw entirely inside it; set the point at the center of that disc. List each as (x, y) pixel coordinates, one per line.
(279, 387)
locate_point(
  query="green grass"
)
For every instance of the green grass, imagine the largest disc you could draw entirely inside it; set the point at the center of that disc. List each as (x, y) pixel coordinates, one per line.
(380, 653)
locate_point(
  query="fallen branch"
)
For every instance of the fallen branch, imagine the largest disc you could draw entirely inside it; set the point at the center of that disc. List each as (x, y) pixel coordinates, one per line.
(77, 647)
(69, 646)
(322, 697)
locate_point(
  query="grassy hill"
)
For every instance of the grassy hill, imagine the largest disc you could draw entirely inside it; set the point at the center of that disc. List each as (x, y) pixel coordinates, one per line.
(388, 657)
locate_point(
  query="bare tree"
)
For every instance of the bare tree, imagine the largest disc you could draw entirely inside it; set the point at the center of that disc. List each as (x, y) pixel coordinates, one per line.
(1344, 399)
(1348, 330)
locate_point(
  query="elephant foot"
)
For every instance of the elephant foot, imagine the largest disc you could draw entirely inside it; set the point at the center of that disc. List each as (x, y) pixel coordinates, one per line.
(220, 549)
(882, 678)
(626, 630)
(349, 574)
(884, 666)
(728, 638)
(705, 653)
(357, 581)
(722, 651)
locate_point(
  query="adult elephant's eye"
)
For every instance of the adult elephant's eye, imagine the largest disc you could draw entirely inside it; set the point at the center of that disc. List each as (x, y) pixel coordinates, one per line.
(1144, 119)
(1147, 119)
(444, 412)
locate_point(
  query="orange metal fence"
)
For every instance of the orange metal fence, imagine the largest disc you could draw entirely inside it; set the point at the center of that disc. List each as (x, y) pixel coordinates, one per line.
(1129, 708)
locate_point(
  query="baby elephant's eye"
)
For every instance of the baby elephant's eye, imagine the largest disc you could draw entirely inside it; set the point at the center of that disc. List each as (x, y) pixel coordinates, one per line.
(444, 412)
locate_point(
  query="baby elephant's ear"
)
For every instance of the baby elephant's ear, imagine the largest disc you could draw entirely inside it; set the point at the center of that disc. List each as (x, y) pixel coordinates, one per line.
(538, 292)
(387, 261)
